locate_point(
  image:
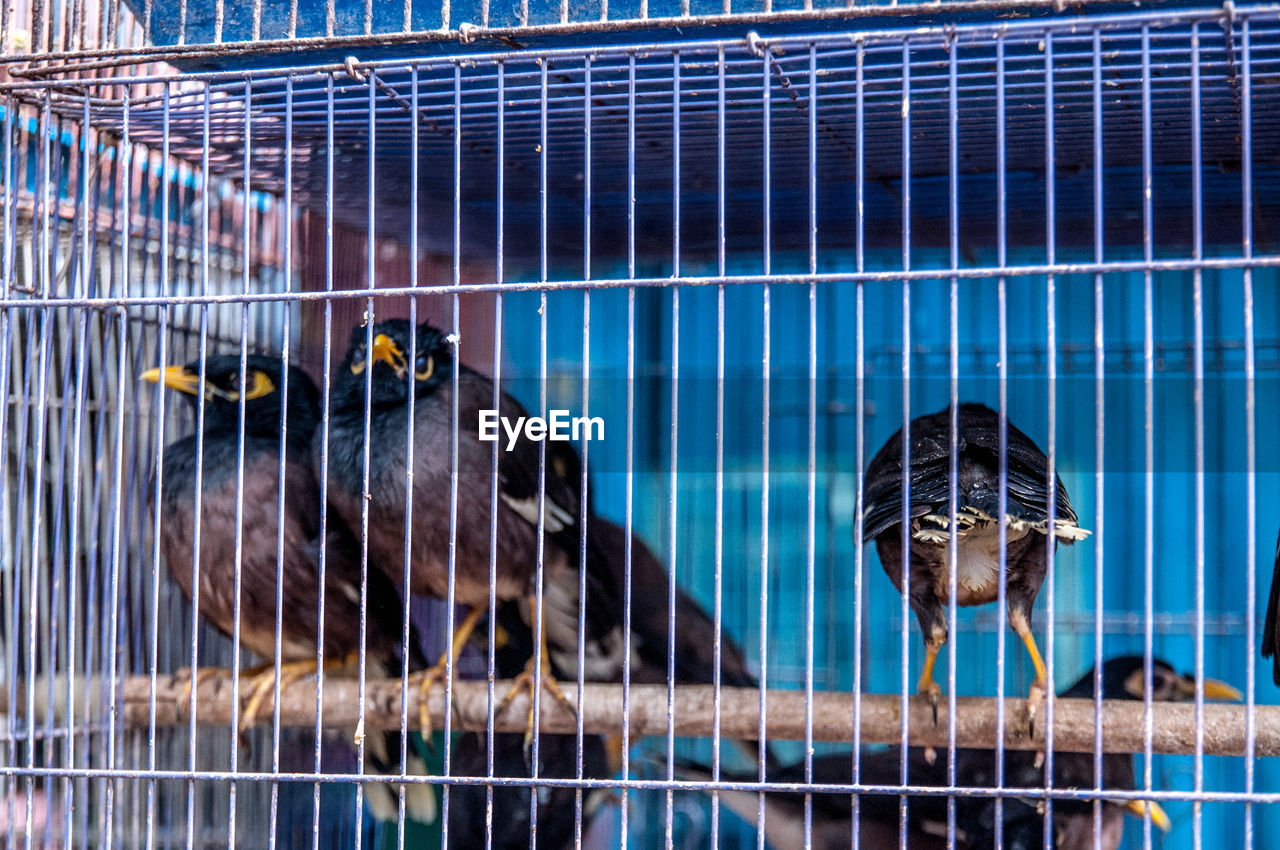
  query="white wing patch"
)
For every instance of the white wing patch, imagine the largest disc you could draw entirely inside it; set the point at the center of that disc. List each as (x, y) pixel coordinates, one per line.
(978, 556)
(936, 528)
(557, 519)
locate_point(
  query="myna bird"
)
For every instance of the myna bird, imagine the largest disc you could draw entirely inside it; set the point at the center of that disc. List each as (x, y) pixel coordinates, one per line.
(396, 363)
(219, 441)
(1270, 626)
(1122, 678)
(1026, 523)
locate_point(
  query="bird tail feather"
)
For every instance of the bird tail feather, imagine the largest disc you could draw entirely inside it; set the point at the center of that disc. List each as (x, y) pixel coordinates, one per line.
(382, 757)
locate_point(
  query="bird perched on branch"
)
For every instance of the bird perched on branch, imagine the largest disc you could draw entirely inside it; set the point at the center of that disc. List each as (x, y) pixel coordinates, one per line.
(391, 364)
(1271, 626)
(1123, 678)
(239, 437)
(1026, 524)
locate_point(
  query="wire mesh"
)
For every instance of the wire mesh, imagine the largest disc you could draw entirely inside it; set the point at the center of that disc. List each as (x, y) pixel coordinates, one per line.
(789, 246)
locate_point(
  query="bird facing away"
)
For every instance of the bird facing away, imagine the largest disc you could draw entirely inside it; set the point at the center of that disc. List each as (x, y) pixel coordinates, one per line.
(1026, 524)
(279, 542)
(1123, 678)
(1270, 626)
(386, 367)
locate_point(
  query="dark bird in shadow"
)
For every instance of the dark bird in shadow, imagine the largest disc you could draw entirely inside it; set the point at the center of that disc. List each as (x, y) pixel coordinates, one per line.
(1073, 824)
(1021, 818)
(832, 820)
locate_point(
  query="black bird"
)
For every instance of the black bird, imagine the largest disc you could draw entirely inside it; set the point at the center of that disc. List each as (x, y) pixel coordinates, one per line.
(831, 824)
(977, 495)
(1122, 678)
(405, 362)
(694, 635)
(1021, 820)
(297, 569)
(1270, 627)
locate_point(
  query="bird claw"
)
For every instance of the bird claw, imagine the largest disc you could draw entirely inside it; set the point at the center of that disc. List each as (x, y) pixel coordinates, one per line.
(264, 685)
(529, 679)
(425, 681)
(933, 691)
(1035, 699)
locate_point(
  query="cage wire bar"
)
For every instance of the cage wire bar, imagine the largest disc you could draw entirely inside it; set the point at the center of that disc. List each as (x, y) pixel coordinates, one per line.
(1070, 217)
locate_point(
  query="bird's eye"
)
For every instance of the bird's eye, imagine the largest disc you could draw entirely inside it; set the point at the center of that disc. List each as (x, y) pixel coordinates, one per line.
(230, 391)
(357, 360)
(424, 367)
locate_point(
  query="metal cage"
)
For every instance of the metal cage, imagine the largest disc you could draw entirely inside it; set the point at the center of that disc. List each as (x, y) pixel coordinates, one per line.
(755, 242)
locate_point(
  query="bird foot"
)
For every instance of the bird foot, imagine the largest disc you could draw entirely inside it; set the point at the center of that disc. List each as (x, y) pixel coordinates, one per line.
(529, 679)
(439, 672)
(263, 685)
(426, 680)
(930, 756)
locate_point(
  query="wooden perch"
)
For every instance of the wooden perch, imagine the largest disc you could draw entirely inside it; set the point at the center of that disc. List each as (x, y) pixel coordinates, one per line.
(1173, 723)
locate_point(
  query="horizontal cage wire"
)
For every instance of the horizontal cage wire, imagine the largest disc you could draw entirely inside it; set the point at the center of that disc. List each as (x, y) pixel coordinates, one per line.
(748, 259)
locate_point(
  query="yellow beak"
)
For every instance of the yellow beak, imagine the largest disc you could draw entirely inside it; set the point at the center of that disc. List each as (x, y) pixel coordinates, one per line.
(388, 352)
(175, 378)
(1213, 689)
(1158, 816)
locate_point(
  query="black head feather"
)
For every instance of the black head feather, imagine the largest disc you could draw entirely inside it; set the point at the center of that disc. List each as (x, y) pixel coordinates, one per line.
(263, 388)
(398, 357)
(1123, 678)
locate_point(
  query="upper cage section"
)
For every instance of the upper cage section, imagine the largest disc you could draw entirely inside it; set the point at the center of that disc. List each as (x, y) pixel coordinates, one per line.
(1109, 139)
(233, 34)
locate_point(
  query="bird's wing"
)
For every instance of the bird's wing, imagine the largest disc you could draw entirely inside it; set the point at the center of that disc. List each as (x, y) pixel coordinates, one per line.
(1027, 465)
(978, 438)
(882, 485)
(524, 475)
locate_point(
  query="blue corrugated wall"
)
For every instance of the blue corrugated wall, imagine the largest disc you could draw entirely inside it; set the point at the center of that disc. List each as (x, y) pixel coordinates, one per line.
(1122, 521)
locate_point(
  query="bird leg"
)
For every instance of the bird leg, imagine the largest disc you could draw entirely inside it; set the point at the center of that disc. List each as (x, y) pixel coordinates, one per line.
(532, 677)
(926, 686)
(437, 673)
(1035, 699)
(263, 682)
(935, 637)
